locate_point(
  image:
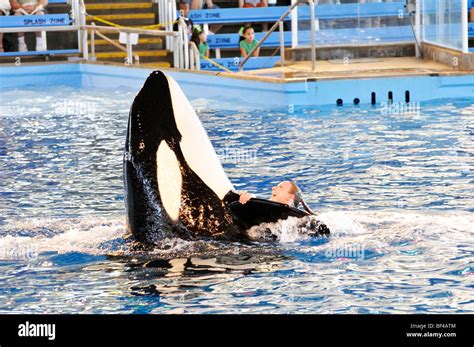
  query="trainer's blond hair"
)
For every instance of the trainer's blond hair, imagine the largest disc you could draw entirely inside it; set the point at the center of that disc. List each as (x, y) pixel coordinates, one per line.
(296, 191)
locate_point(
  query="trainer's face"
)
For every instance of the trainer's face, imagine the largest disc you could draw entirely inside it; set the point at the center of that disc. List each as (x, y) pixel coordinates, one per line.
(281, 193)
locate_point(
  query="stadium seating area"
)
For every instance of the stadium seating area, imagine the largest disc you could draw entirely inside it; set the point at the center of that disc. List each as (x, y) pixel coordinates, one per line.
(348, 23)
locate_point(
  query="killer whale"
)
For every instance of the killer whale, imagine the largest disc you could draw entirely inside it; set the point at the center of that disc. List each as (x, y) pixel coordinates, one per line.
(173, 179)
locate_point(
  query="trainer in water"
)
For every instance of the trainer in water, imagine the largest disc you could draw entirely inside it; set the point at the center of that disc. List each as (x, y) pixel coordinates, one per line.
(286, 192)
(174, 181)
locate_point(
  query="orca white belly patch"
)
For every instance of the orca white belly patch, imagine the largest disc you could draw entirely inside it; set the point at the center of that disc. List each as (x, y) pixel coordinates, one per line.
(169, 180)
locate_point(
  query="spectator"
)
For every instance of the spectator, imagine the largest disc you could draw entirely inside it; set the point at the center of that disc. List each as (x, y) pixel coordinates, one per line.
(253, 3)
(183, 8)
(200, 40)
(206, 5)
(203, 5)
(4, 11)
(248, 42)
(28, 7)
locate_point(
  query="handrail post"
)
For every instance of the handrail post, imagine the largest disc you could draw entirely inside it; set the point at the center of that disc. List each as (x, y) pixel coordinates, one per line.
(180, 47)
(93, 43)
(175, 51)
(76, 14)
(170, 18)
(282, 44)
(161, 9)
(417, 27)
(82, 21)
(198, 60)
(316, 21)
(194, 56)
(313, 36)
(184, 31)
(294, 25)
(45, 42)
(464, 29)
(129, 49)
(85, 46)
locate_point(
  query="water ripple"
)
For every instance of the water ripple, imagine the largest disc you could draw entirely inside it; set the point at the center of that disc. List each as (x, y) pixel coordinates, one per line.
(395, 190)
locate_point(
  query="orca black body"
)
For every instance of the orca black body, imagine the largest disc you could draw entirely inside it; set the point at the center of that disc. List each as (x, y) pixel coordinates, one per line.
(174, 182)
(168, 157)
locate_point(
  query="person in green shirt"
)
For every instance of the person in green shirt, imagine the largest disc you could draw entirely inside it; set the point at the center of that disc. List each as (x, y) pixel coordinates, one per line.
(248, 42)
(200, 40)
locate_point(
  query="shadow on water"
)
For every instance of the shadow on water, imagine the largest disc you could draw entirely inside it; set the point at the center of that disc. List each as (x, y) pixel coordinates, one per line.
(160, 277)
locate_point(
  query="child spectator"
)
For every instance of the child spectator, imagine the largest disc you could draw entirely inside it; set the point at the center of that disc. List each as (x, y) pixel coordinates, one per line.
(248, 42)
(4, 11)
(183, 8)
(200, 40)
(28, 7)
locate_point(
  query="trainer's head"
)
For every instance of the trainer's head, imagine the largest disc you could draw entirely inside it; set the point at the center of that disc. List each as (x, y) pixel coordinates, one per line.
(286, 192)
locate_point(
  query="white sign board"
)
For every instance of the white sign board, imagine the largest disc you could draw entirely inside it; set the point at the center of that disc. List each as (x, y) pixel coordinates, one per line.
(133, 38)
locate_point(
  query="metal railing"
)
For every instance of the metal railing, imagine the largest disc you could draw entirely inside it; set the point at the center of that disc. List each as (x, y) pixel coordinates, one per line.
(186, 54)
(78, 16)
(169, 35)
(194, 57)
(128, 32)
(279, 24)
(167, 17)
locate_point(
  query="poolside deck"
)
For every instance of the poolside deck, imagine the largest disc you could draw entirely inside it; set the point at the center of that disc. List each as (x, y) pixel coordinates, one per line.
(353, 69)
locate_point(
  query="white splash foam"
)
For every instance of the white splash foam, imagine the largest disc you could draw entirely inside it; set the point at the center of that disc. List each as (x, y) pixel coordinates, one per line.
(68, 235)
(381, 231)
(376, 230)
(289, 230)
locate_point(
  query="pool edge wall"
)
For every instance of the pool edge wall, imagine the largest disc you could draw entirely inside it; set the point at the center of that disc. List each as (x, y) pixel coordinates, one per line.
(245, 93)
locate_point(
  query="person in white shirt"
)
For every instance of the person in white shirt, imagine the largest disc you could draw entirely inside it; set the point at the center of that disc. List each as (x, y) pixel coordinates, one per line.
(28, 7)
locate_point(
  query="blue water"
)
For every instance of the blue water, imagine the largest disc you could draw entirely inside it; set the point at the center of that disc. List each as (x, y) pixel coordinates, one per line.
(395, 189)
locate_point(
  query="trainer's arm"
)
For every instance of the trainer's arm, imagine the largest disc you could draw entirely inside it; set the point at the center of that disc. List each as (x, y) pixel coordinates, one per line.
(232, 196)
(244, 197)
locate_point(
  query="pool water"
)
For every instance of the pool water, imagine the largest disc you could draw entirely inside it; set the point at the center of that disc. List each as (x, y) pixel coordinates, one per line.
(395, 188)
